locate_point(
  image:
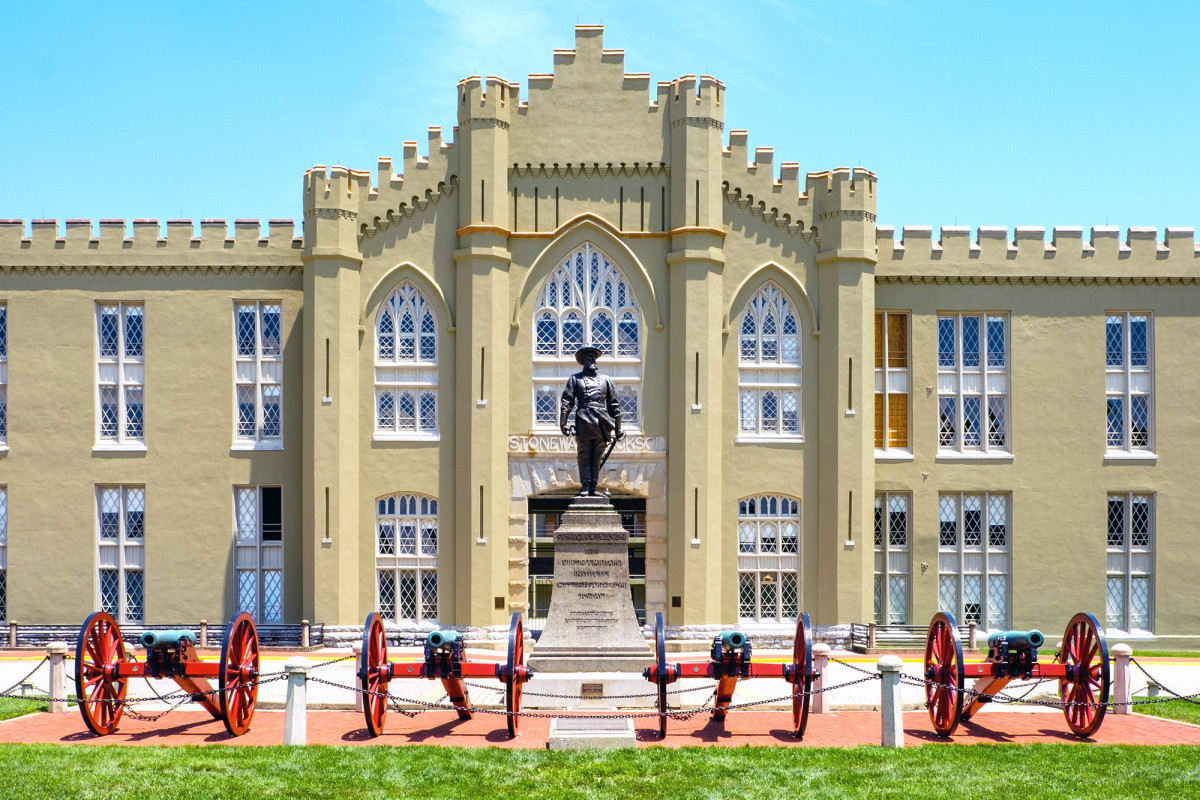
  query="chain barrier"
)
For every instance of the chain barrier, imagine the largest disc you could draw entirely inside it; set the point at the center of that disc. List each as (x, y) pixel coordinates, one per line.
(12, 691)
(1191, 698)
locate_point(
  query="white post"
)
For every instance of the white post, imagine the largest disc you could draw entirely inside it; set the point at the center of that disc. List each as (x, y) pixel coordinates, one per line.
(304, 633)
(820, 665)
(1121, 678)
(893, 721)
(295, 729)
(57, 651)
(358, 698)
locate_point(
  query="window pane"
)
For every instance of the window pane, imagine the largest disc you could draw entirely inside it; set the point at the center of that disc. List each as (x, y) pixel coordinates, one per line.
(109, 592)
(948, 521)
(272, 426)
(996, 414)
(970, 341)
(746, 595)
(387, 594)
(946, 343)
(135, 602)
(133, 412)
(897, 600)
(246, 331)
(1114, 607)
(995, 342)
(272, 330)
(247, 591)
(109, 334)
(1139, 522)
(272, 513)
(272, 595)
(972, 422)
(133, 331)
(1116, 422)
(1114, 341)
(1116, 521)
(428, 595)
(947, 422)
(246, 411)
(1139, 341)
(408, 595)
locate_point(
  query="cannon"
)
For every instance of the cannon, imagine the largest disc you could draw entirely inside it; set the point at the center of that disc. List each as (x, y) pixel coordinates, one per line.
(444, 660)
(103, 669)
(730, 660)
(1081, 667)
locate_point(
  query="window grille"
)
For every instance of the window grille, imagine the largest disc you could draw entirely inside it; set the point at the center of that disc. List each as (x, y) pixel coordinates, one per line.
(121, 528)
(586, 300)
(892, 380)
(406, 366)
(768, 558)
(1130, 553)
(893, 564)
(258, 372)
(258, 541)
(769, 354)
(406, 557)
(1129, 381)
(120, 373)
(973, 365)
(974, 567)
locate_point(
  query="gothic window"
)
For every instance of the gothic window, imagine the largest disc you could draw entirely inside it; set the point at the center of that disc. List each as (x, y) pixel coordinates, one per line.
(892, 559)
(406, 371)
(974, 543)
(768, 558)
(1130, 576)
(121, 371)
(769, 366)
(1129, 381)
(406, 557)
(121, 522)
(258, 534)
(973, 407)
(586, 300)
(258, 374)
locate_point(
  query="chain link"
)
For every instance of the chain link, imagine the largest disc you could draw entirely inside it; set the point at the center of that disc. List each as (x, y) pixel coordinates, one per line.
(12, 690)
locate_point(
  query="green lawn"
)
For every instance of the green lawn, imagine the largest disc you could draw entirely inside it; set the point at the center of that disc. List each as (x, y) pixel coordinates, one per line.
(441, 773)
(15, 707)
(1181, 710)
(1166, 654)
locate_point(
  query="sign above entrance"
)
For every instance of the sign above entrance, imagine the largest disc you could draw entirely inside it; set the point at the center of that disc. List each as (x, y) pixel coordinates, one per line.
(557, 443)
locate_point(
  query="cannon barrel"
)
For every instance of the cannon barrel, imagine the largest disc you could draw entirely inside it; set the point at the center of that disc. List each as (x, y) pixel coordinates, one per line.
(732, 639)
(442, 638)
(1018, 640)
(159, 639)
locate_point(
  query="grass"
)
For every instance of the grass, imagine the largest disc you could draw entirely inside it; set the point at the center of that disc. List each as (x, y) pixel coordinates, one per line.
(442, 773)
(15, 707)
(1166, 654)
(1180, 710)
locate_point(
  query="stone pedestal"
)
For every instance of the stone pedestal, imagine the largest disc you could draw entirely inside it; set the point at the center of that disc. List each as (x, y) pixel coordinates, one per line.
(591, 625)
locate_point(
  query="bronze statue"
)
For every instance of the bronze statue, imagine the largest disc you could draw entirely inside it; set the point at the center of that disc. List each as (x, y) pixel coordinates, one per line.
(597, 417)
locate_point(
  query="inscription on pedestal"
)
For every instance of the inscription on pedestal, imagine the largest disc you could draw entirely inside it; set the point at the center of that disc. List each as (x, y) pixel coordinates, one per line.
(591, 624)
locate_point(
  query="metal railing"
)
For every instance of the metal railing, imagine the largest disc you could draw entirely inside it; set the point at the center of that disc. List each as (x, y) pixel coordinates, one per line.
(865, 636)
(17, 635)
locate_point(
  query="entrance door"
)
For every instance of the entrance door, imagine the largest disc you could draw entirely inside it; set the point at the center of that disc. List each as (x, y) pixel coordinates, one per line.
(545, 514)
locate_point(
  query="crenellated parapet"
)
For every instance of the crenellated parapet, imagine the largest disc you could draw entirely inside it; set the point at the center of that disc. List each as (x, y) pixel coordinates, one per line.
(116, 242)
(755, 188)
(844, 205)
(1070, 255)
(487, 102)
(695, 101)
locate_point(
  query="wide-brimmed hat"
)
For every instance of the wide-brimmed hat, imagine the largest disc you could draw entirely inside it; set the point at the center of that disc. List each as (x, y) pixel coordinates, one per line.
(579, 354)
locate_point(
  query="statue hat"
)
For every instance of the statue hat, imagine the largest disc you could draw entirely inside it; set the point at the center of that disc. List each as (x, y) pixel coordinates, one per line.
(594, 351)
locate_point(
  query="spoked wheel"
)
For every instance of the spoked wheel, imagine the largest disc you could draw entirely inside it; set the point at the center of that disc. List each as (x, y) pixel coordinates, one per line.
(1084, 689)
(239, 674)
(512, 680)
(372, 671)
(99, 653)
(660, 660)
(801, 675)
(943, 674)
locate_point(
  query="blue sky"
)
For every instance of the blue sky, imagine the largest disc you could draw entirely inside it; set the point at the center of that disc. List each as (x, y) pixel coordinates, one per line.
(971, 113)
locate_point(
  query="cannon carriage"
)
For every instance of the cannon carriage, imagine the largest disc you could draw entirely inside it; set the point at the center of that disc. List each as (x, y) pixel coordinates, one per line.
(103, 668)
(1081, 666)
(731, 660)
(444, 660)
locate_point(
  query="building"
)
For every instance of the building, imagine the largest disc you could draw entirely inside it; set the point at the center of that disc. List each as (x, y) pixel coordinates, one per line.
(823, 416)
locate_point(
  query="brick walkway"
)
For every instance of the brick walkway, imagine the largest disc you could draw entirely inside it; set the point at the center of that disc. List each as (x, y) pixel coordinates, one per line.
(839, 729)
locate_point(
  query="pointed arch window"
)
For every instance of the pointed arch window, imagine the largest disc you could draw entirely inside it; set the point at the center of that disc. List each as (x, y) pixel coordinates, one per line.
(768, 561)
(406, 557)
(586, 300)
(406, 371)
(769, 377)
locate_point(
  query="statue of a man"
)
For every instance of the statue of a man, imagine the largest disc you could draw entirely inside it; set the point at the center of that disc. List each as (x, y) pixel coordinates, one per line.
(597, 416)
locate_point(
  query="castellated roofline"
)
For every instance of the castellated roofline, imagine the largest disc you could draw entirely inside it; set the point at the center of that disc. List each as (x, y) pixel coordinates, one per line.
(1028, 245)
(81, 235)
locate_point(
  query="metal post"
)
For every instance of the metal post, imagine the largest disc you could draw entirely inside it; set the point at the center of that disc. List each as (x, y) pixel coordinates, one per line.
(893, 721)
(204, 633)
(1121, 678)
(820, 665)
(971, 626)
(356, 646)
(304, 633)
(12, 633)
(57, 651)
(295, 714)
(870, 636)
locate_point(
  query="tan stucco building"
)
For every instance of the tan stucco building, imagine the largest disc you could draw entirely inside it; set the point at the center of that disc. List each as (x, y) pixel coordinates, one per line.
(822, 415)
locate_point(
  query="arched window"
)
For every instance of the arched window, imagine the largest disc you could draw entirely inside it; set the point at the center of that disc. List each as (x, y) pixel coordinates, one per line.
(586, 300)
(769, 366)
(768, 558)
(406, 551)
(406, 348)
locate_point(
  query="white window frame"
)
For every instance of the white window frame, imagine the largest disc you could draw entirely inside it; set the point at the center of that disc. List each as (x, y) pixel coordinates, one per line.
(3, 552)
(122, 373)
(891, 380)
(258, 558)
(258, 372)
(893, 559)
(402, 379)
(769, 367)
(1126, 381)
(1129, 563)
(595, 287)
(987, 562)
(406, 548)
(986, 383)
(3, 376)
(121, 551)
(768, 559)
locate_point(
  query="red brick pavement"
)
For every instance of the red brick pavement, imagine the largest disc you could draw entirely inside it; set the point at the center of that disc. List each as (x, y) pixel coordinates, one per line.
(840, 729)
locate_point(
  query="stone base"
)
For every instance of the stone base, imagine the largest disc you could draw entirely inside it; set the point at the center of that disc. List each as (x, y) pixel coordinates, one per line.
(590, 690)
(571, 659)
(572, 733)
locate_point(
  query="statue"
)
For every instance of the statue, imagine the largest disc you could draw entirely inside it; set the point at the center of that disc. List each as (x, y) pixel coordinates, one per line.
(597, 417)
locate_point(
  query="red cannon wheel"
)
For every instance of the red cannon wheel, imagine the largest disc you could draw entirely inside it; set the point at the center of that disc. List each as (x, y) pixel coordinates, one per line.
(512, 680)
(99, 653)
(238, 682)
(802, 674)
(660, 659)
(1085, 687)
(372, 671)
(943, 674)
